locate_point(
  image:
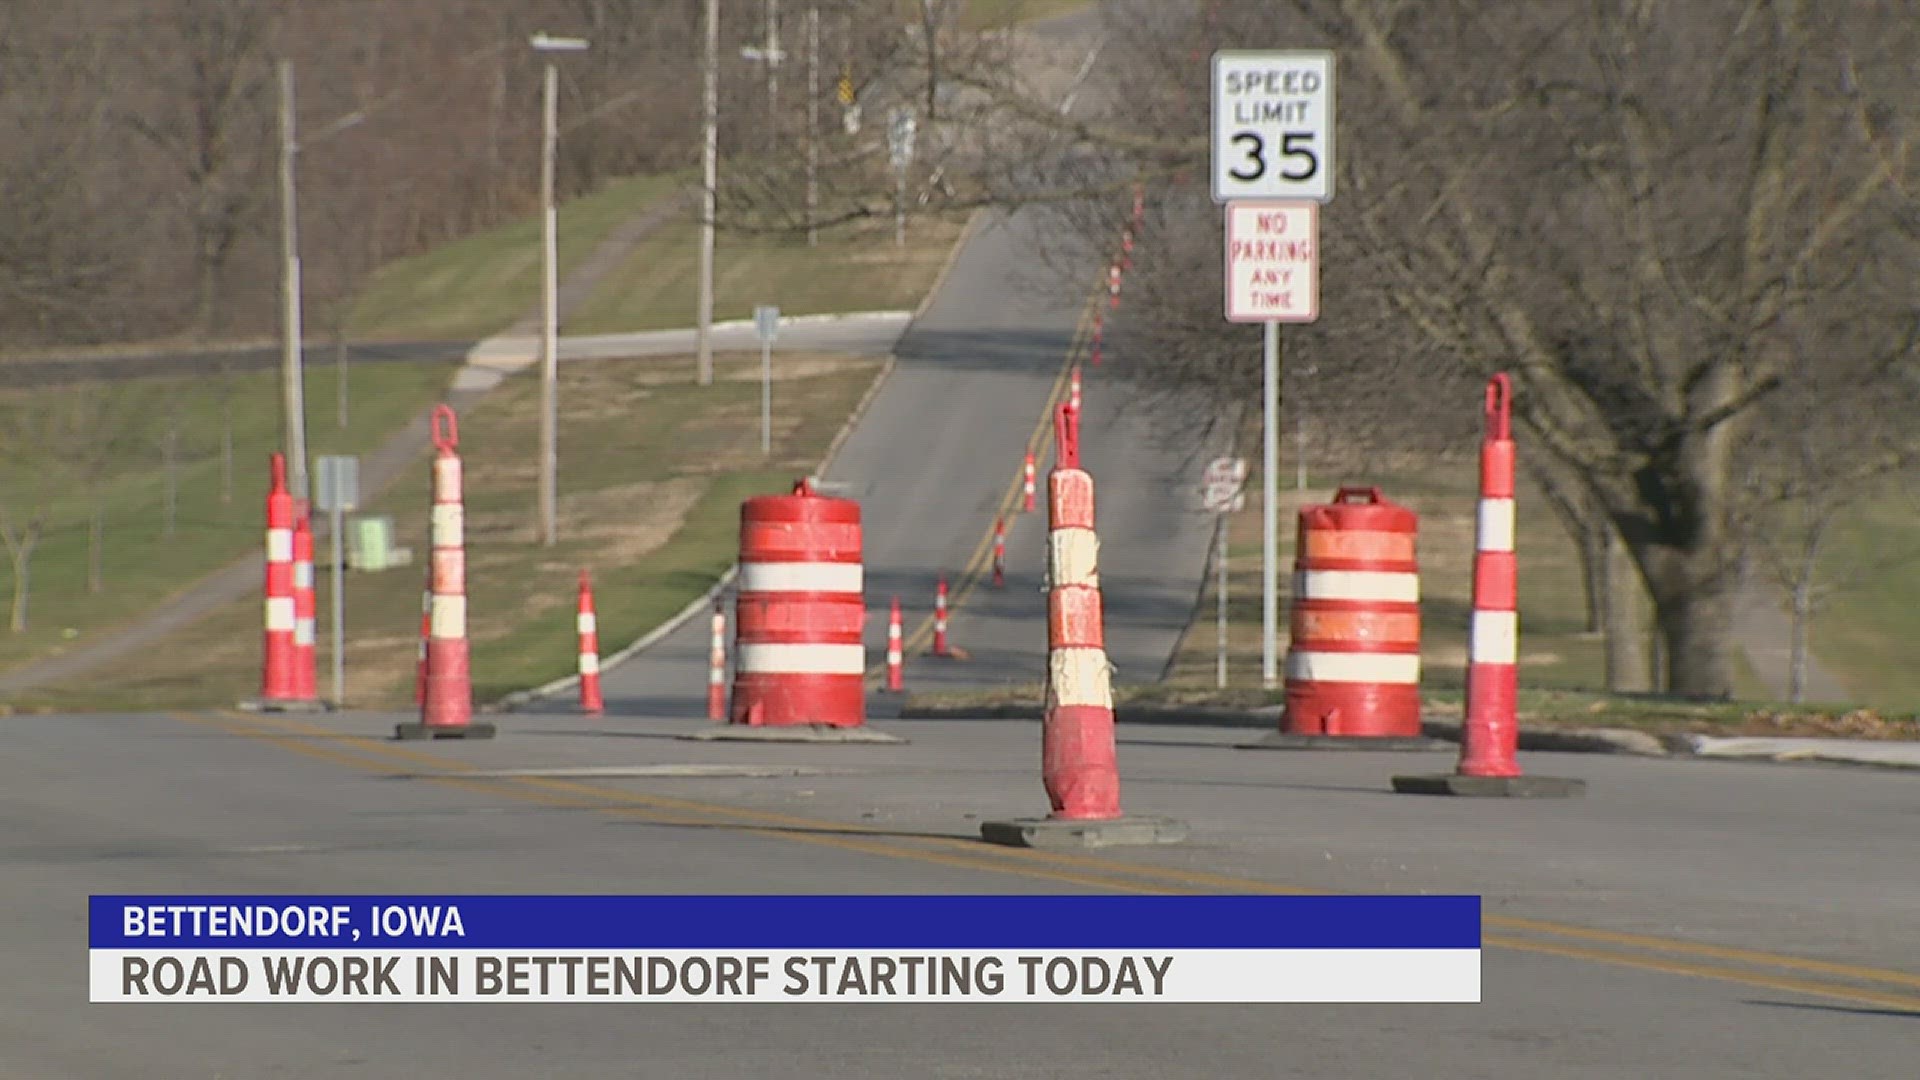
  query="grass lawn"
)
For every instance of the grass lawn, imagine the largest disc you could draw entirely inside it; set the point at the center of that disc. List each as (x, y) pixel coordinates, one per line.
(652, 471)
(854, 268)
(142, 562)
(1865, 634)
(480, 284)
(1862, 636)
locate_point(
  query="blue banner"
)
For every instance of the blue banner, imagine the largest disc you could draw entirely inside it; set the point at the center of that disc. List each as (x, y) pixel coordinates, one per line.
(783, 922)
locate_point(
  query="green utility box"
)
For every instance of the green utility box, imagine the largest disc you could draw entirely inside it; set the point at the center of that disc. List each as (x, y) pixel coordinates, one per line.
(370, 545)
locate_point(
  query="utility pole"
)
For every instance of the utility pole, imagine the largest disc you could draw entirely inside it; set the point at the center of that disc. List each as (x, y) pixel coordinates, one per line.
(813, 123)
(550, 293)
(549, 320)
(709, 157)
(292, 377)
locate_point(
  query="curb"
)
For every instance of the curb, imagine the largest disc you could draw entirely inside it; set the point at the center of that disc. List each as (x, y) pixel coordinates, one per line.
(1564, 740)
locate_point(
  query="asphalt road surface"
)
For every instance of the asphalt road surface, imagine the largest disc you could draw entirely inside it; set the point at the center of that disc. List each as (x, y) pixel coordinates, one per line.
(1685, 919)
(938, 455)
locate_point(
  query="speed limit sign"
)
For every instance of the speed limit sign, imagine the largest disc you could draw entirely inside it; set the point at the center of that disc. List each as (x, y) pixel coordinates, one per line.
(1272, 125)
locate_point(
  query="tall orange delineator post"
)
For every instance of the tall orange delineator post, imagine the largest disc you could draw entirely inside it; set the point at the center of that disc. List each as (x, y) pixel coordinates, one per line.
(1027, 486)
(587, 626)
(896, 654)
(1490, 733)
(940, 646)
(280, 682)
(1073, 389)
(447, 712)
(717, 666)
(306, 656)
(1078, 758)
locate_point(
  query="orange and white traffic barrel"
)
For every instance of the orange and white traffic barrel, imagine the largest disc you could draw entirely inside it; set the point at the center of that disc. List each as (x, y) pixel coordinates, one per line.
(1353, 663)
(798, 656)
(447, 712)
(587, 626)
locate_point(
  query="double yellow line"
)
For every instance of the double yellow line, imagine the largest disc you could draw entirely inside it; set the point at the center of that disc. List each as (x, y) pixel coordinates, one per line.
(1860, 985)
(976, 565)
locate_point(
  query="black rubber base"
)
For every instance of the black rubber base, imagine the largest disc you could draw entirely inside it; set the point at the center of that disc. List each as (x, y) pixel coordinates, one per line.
(282, 705)
(812, 733)
(1491, 787)
(1055, 833)
(1281, 740)
(414, 731)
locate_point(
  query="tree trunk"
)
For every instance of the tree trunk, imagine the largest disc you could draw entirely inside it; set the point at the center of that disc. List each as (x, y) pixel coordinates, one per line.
(1797, 665)
(96, 540)
(20, 548)
(226, 450)
(170, 464)
(340, 370)
(1694, 608)
(1597, 540)
(1629, 667)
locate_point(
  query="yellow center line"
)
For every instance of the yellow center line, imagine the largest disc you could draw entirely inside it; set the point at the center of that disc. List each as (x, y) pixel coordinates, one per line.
(1092, 871)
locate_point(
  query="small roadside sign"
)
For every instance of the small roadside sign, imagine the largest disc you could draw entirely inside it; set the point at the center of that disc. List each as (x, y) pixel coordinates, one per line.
(1221, 484)
(766, 322)
(1272, 125)
(1273, 262)
(337, 483)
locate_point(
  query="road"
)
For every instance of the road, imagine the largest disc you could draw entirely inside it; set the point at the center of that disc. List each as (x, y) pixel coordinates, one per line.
(938, 455)
(1732, 877)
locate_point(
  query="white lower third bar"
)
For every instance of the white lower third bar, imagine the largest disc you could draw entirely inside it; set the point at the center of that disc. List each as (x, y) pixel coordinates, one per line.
(1187, 976)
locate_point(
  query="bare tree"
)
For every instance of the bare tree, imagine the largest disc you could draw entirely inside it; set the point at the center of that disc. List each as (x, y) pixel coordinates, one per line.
(1628, 205)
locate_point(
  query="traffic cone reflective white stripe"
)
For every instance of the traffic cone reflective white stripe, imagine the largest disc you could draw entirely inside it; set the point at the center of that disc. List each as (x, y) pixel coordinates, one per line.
(447, 711)
(717, 666)
(587, 625)
(896, 657)
(1113, 285)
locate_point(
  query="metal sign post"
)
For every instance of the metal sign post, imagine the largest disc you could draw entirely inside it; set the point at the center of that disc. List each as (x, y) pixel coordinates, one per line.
(1273, 133)
(900, 131)
(339, 491)
(766, 320)
(1222, 496)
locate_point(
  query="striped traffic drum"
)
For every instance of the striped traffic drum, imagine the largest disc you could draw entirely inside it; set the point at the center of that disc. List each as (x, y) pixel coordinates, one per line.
(1353, 664)
(798, 656)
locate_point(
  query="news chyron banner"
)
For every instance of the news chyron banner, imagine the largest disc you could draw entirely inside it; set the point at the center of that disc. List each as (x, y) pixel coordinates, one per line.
(1181, 949)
